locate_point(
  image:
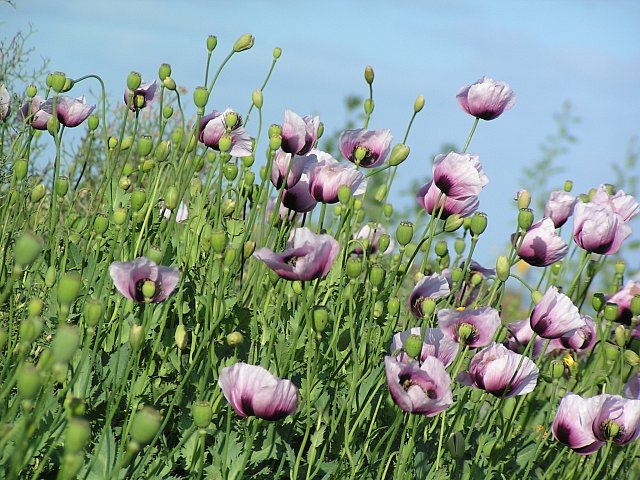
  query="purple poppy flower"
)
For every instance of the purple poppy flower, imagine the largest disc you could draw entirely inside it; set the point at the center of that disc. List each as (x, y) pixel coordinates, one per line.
(371, 145)
(308, 257)
(328, 175)
(298, 198)
(559, 207)
(429, 194)
(253, 391)
(434, 344)
(586, 424)
(583, 338)
(622, 298)
(623, 204)
(433, 286)
(32, 111)
(519, 336)
(459, 176)
(501, 372)
(486, 99)
(70, 111)
(181, 214)
(141, 96)
(372, 234)
(598, 229)
(555, 315)
(131, 278)
(542, 245)
(299, 134)
(5, 103)
(473, 328)
(284, 163)
(423, 389)
(631, 388)
(214, 126)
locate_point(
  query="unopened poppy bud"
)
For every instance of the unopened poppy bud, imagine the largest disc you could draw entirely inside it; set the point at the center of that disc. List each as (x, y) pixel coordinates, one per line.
(53, 126)
(145, 144)
(57, 81)
(163, 72)
(65, 343)
(31, 91)
(248, 248)
(92, 122)
(441, 248)
(37, 193)
(598, 301)
(368, 74)
(228, 206)
(134, 79)
(126, 143)
(524, 199)
(634, 305)
(404, 233)
(476, 279)
(344, 194)
(256, 98)
(180, 336)
(112, 142)
(171, 198)
(387, 209)
(502, 268)
(230, 255)
(119, 215)
(381, 193)
(163, 150)
(456, 275)
(29, 330)
(230, 171)
(248, 160)
(245, 42)
(29, 382)
(557, 369)
(69, 287)
(100, 224)
(631, 358)
(200, 97)
(376, 275)
(235, 339)
(136, 337)
(413, 346)
(536, 296)
(202, 413)
(50, 276)
(27, 249)
(611, 351)
(146, 423)
(138, 198)
(620, 336)
(77, 435)
(610, 311)
(34, 307)
(478, 223)
(466, 223)
(368, 106)
(169, 83)
(212, 42)
(399, 154)
(619, 267)
(296, 286)
(20, 169)
(383, 242)
(453, 223)
(418, 104)
(92, 312)
(568, 186)
(320, 319)
(354, 267)
(393, 305)
(218, 241)
(167, 112)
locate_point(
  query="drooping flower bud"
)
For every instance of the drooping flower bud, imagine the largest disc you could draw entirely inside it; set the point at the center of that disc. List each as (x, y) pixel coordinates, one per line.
(320, 319)
(138, 198)
(456, 445)
(256, 97)
(212, 42)
(100, 224)
(453, 223)
(181, 336)
(245, 42)
(418, 104)
(399, 154)
(368, 74)
(93, 312)
(136, 337)
(598, 301)
(354, 267)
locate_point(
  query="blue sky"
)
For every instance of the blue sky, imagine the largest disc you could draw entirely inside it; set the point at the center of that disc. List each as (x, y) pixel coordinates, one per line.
(585, 52)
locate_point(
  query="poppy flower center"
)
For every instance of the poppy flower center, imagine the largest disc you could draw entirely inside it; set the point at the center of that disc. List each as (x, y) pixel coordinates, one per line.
(362, 155)
(146, 289)
(467, 332)
(610, 429)
(233, 120)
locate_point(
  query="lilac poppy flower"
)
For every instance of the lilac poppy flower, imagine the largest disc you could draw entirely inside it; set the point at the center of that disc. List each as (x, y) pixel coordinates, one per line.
(131, 278)
(622, 298)
(519, 336)
(542, 245)
(181, 214)
(372, 234)
(486, 99)
(253, 391)
(583, 338)
(308, 257)
(429, 194)
(631, 388)
(623, 204)
(501, 372)
(372, 145)
(32, 111)
(433, 286)
(555, 315)
(586, 424)
(299, 134)
(423, 389)
(473, 328)
(214, 126)
(298, 198)
(459, 176)
(434, 344)
(284, 163)
(559, 207)
(598, 229)
(141, 96)
(328, 175)
(5, 103)
(70, 111)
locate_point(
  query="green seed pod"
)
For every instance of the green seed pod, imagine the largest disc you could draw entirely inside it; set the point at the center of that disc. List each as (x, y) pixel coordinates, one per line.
(441, 248)
(611, 352)
(557, 369)
(354, 267)
(275, 130)
(568, 186)
(30, 329)
(93, 312)
(145, 144)
(368, 74)
(387, 209)
(428, 306)
(249, 177)
(201, 97)
(212, 41)
(413, 346)
(383, 242)
(634, 306)
(29, 382)
(502, 268)
(69, 287)
(202, 413)
(245, 42)
(256, 98)
(57, 81)
(610, 311)
(525, 218)
(100, 223)
(34, 308)
(235, 339)
(167, 112)
(248, 248)
(376, 275)
(478, 223)
(393, 305)
(404, 233)
(71, 465)
(65, 343)
(181, 336)
(320, 319)
(398, 154)
(277, 52)
(148, 289)
(631, 358)
(296, 286)
(119, 215)
(77, 435)
(164, 71)
(230, 171)
(368, 107)
(456, 275)
(218, 241)
(274, 142)
(126, 143)
(134, 80)
(37, 193)
(146, 423)
(248, 161)
(20, 169)
(225, 143)
(93, 121)
(598, 301)
(31, 91)
(138, 198)
(26, 249)
(136, 337)
(163, 150)
(418, 104)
